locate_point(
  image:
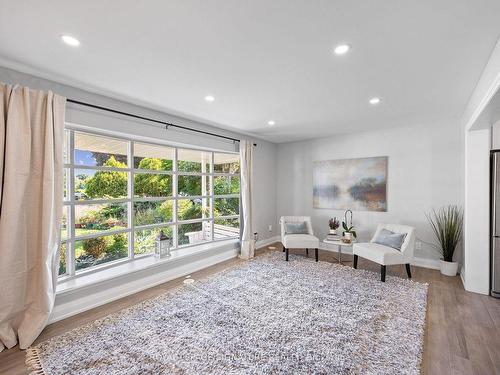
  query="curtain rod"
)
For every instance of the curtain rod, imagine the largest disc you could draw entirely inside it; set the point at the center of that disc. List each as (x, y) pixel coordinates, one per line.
(167, 124)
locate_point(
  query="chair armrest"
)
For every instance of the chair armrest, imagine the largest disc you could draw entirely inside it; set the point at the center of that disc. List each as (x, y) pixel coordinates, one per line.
(408, 248)
(282, 225)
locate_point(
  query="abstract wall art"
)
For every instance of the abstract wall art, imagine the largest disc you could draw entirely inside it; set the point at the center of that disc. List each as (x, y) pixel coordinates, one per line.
(356, 184)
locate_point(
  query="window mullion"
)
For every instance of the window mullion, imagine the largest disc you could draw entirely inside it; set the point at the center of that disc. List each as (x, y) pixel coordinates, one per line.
(212, 201)
(175, 231)
(70, 244)
(130, 203)
(96, 168)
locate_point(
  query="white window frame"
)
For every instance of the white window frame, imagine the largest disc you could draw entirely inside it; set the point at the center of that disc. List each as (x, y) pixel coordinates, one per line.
(69, 203)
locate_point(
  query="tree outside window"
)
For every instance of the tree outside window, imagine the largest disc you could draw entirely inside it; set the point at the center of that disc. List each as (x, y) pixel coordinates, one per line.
(192, 195)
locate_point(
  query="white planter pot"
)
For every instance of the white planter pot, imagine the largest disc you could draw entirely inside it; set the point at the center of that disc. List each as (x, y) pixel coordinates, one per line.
(348, 236)
(333, 231)
(449, 268)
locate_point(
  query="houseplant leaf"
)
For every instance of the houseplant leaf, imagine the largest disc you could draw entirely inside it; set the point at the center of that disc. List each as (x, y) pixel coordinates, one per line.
(446, 224)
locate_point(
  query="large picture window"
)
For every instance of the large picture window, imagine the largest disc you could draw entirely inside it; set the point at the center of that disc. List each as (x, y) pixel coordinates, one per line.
(119, 194)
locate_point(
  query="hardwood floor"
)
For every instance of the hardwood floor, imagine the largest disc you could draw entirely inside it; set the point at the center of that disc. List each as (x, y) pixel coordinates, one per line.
(462, 330)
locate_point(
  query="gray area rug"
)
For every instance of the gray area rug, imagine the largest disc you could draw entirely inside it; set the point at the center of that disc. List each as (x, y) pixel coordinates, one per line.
(266, 316)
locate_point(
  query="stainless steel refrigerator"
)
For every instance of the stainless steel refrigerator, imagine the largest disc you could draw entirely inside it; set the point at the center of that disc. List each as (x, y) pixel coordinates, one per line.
(495, 224)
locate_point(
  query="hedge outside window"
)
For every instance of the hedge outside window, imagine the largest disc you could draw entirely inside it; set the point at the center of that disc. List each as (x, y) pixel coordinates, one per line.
(119, 193)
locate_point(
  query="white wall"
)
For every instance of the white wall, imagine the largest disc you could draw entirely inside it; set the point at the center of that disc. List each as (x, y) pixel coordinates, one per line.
(477, 218)
(424, 172)
(265, 193)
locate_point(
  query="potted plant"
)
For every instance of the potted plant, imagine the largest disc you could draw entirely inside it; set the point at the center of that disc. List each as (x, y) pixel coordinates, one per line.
(349, 232)
(446, 224)
(334, 224)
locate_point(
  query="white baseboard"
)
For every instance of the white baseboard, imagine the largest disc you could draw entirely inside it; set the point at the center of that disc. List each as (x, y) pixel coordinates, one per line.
(84, 299)
(267, 241)
(483, 291)
(419, 262)
(426, 263)
(462, 276)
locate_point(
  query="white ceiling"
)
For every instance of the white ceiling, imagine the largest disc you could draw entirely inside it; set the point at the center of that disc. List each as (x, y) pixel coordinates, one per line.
(264, 59)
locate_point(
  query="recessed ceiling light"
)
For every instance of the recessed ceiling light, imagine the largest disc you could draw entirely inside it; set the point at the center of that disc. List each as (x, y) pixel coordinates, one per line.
(70, 40)
(342, 49)
(271, 122)
(374, 100)
(209, 98)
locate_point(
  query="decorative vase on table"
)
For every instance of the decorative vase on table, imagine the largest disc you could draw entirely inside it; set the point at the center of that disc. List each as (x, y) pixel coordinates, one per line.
(446, 224)
(333, 223)
(347, 237)
(349, 233)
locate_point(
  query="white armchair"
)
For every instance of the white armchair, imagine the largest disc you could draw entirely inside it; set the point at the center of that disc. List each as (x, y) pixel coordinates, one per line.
(385, 255)
(298, 240)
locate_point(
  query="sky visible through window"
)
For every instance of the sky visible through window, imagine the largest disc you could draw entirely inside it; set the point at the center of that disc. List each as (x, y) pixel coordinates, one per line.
(84, 158)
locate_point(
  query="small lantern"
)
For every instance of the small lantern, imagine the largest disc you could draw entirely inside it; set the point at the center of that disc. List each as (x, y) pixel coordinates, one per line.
(162, 249)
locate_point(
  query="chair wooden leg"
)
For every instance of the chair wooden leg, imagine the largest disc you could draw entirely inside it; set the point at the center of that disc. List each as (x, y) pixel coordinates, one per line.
(382, 273)
(408, 271)
(355, 262)
(286, 254)
(307, 252)
(283, 248)
(316, 254)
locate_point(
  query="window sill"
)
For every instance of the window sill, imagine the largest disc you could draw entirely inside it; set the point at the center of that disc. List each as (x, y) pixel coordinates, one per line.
(67, 286)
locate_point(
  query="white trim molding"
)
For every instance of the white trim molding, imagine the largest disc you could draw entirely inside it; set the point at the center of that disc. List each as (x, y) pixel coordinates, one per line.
(432, 264)
(99, 290)
(485, 100)
(462, 276)
(417, 261)
(486, 87)
(267, 241)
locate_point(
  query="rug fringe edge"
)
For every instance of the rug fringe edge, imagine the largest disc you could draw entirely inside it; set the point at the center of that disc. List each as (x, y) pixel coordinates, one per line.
(33, 362)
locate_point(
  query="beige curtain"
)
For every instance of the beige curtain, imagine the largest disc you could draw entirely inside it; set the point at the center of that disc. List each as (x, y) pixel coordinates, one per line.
(31, 182)
(246, 168)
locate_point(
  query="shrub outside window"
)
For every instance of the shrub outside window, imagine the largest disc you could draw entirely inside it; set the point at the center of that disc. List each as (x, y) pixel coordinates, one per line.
(119, 194)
